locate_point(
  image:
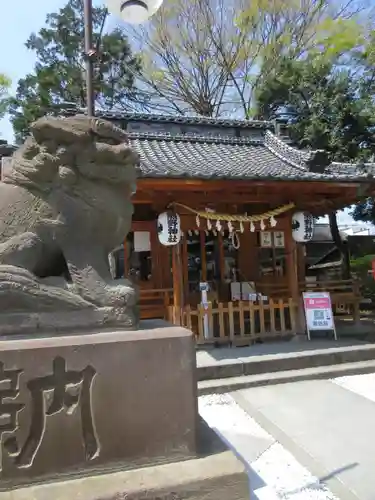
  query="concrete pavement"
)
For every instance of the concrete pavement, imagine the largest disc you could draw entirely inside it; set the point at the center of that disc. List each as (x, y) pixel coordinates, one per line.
(328, 429)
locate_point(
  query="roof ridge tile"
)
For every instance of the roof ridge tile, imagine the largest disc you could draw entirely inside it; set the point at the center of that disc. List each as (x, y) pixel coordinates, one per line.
(295, 157)
(220, 139)
(186, 119)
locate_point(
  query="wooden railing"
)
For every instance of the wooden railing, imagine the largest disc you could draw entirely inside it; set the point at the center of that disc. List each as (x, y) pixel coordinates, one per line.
(345, 294)
(349, 286)
(239, 323)
(154, 303)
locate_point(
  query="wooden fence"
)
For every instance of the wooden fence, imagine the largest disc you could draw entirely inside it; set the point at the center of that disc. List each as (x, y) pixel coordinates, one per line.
(245, 322)
(239, 323)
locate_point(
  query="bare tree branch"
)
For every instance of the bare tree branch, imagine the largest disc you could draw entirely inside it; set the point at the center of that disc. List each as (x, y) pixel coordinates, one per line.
(207, 57)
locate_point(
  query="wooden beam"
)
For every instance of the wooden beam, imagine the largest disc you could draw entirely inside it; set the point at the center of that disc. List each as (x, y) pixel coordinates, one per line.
(204, 199)
(250, 197)
(143, 225)
(302, 194)
(137, 200)
(217, 185)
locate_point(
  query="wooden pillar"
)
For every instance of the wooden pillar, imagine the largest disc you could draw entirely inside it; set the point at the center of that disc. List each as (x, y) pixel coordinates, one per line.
(165, 266)
(177, 283)
(291, 264)
(156, 273)
(248, 256)
(202, 239)
(185, 268)
(221, 257)
(244, 257)
(301, 262)
(292, 272)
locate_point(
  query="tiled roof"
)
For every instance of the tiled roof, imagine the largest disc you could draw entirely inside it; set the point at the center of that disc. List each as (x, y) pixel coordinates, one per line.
(207, 148)
(366, 168)
(322, 234)
(6, 149)
(187, 156)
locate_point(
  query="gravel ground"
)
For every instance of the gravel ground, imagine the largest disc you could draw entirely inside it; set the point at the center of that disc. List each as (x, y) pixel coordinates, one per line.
(282, 476)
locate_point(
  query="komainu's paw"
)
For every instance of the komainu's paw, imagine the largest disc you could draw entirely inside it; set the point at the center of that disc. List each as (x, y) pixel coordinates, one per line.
(20, 290)
(120, 294)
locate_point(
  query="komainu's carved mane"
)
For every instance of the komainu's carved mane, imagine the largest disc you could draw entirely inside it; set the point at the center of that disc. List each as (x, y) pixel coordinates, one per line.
(59, 149)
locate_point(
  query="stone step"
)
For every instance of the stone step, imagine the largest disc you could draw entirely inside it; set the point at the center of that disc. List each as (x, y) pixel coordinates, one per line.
(229, 384)
(257, 360)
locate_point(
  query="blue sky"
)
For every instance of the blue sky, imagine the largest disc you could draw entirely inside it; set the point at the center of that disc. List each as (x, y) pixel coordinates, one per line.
(19, 19)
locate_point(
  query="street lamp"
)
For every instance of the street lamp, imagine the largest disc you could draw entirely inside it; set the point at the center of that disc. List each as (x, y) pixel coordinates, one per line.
(130, 11)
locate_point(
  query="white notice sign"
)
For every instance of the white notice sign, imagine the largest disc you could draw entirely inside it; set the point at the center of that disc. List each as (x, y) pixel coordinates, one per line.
(318, 312)
(204, 288)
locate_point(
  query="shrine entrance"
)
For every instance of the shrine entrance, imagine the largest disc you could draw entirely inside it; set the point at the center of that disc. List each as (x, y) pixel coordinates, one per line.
(208, 257)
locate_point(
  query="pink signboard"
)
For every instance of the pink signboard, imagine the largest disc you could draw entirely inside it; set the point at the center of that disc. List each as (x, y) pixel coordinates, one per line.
(318, 312)
(317, 302)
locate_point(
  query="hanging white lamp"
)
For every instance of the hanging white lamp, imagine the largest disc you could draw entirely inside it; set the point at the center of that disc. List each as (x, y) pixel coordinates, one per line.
(302, 227)
(169, 228)
(133, 11)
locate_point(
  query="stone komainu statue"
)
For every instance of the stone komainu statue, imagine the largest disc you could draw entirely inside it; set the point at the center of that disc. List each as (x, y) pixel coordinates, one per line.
(64, 205)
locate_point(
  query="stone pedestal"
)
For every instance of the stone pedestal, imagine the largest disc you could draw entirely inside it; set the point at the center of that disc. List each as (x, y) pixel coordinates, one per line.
(216, 477)
(84, 403)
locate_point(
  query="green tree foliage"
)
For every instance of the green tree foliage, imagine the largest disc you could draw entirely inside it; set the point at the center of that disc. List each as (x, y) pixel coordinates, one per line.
(332, 98)
(59, 73)
(4, 88)
(329, 109)
(361, 268)
(365, 210)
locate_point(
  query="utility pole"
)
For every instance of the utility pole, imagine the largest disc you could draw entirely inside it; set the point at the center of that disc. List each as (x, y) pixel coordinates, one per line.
(130, 11)
(89, 58)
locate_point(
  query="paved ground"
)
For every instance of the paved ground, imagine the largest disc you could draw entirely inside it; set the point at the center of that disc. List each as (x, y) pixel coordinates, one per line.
(305, 440)
(273, 471)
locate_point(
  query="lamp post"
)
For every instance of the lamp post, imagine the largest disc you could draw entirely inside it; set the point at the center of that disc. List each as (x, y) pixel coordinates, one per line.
(130, 11)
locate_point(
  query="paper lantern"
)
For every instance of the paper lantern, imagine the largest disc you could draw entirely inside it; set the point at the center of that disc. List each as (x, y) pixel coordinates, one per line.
(169, 228)
(133, 11)
(302, 227)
